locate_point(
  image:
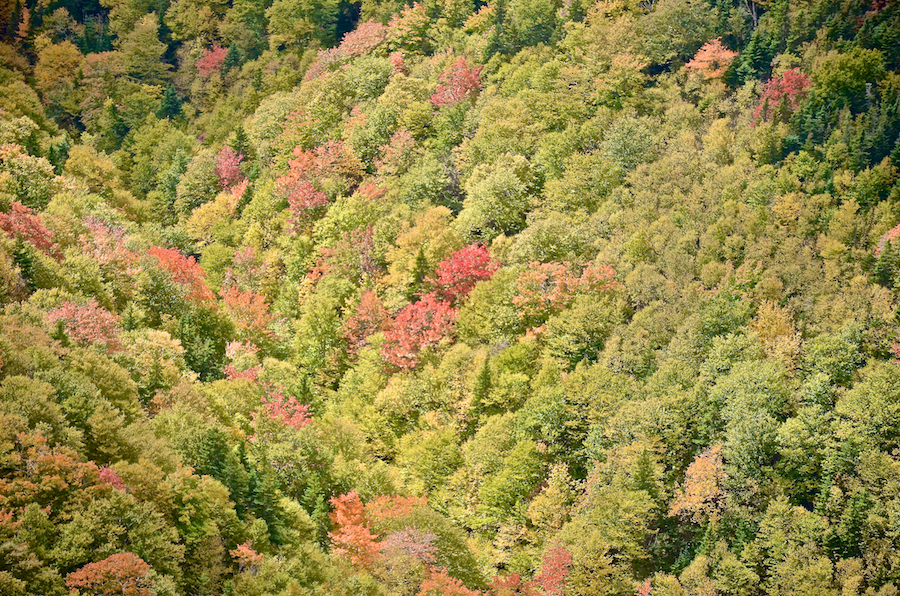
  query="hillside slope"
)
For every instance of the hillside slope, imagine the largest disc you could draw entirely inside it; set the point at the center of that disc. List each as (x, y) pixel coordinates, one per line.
(526, 297)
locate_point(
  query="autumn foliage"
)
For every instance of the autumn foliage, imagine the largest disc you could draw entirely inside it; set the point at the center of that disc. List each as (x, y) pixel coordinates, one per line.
(109, 476)
(440, 583)
(384, 508)
(711, 61)
(458, 273)
(228, 170)
(285, 409)
(544, 289)
(185, 271)
(413, 543)
(124, 574)
(512, 585)
(106, 244)
(50, 476)
(246, 558)
(248, 310)
(87, 324)
(461, 81)
(370, 316)
(886, 239)
(417, 327)
(351, 536)
(701, 496)
(782, 95)
(212, 60)
(554, 570)
(21, 222)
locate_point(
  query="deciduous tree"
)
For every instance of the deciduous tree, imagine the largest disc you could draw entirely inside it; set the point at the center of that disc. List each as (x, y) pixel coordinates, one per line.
(125, 574)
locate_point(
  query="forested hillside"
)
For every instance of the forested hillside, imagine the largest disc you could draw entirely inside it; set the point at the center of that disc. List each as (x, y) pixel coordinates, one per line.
(538, 297)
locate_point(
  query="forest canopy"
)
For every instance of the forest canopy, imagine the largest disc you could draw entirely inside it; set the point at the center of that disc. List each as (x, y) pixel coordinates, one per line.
(538, 297)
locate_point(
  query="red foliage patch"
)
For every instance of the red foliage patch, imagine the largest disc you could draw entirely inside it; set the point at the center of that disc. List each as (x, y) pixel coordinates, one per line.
(212, 60)
(185, 271)
(228, 169)
(711, 61)
(88, 324)
(248, 310)
(544, 289)
(362, 40)
(246, 558)
(782, 96)
(110, 477)
(460, 82)
(286, 410)
(886, 239)
(369, 317)
(459, 272)
(21, 222)
(418, 326)
(440, 583)
(554, 570)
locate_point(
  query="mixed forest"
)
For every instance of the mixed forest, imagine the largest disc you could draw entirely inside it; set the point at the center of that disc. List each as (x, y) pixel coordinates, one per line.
(535, 297)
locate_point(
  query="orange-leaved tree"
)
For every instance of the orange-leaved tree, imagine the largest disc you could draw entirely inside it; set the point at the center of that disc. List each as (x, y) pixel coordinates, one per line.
(123, 574)
(702, 495)
(351, 536)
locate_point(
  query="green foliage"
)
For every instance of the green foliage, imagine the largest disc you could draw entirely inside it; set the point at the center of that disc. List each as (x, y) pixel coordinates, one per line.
(680, 378)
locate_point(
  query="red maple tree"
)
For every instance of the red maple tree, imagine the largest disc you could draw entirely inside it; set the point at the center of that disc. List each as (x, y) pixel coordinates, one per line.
(246, 558)
(285, 409)
(782, 95)
(554, 570)
(21, 222)
(185, 271)
(418, 326)
(512, 585)
(302, 198)
(124, 574)
(362, 40)
(369, 317)
(248, 310)
(441, 583)
(459, 82)
(228, 167)
(645, 589)
(87, 324)
(397, 62)
(459, 272)
(887, 238)
(212, 60)
(111, 477)
(231, 373)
